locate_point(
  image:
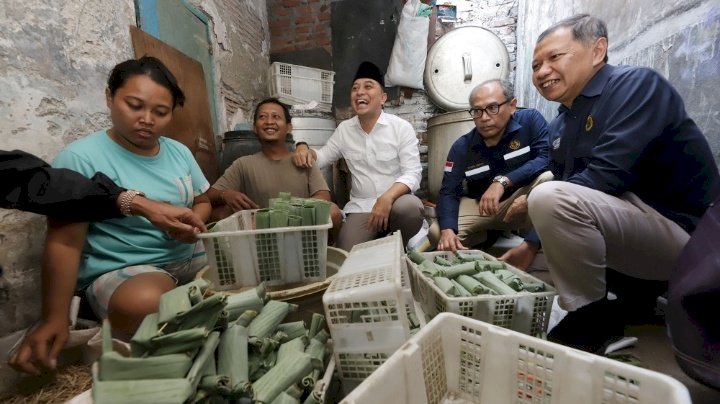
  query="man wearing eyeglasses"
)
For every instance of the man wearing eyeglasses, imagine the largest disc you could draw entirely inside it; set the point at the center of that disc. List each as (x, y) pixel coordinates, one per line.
(500, 160)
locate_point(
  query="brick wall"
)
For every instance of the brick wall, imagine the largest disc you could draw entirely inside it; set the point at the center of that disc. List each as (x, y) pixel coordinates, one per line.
(297, 25)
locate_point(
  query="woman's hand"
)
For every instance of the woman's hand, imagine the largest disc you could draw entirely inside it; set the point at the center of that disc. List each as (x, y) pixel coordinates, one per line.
(40, 348)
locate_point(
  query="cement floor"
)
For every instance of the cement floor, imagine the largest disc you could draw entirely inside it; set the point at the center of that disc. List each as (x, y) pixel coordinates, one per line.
(655, 353)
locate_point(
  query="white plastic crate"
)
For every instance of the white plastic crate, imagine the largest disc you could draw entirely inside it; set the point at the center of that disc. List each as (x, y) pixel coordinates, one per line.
(366, 309)
(455, 359)
(239, 256)
(525, 312)
(294, 84)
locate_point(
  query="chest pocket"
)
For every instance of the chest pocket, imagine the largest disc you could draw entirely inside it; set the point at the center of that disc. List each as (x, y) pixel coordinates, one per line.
(353, 155)
(516, 158)
(185, 190)
(388, 161)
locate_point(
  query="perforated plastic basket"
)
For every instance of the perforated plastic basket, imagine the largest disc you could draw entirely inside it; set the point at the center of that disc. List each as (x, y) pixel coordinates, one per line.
(241, 257)
(366, 309)
(525, 312)
(294, 84)
(455, 359)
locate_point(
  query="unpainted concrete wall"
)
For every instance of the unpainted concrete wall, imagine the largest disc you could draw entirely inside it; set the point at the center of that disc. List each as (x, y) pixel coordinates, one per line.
(678, 38)
(54, 61)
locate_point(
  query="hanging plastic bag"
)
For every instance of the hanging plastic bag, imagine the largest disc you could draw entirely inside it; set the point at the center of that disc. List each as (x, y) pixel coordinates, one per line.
(407, 61)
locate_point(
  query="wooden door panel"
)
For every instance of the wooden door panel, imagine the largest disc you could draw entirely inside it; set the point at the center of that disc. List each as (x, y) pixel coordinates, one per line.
(191, 124)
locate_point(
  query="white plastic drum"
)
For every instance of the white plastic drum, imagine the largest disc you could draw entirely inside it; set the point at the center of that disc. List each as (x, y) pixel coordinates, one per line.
(315, 131)
(460, 60)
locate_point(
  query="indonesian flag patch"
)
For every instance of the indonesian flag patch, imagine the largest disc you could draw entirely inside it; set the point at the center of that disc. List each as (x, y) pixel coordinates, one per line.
(448, 166)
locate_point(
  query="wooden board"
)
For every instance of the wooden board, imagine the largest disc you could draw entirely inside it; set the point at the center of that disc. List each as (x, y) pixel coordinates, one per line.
(192, 123)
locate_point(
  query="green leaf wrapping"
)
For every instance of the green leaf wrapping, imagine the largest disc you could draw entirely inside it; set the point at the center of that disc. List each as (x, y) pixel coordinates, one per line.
(285, 398)
(269, 318)
(298, 345)
(452, 272)
(113, 366)
(439, 260)
(317, 323)
(233, 357)
(474, 286)
(251, 299)
(141, 341)
(143, 391)
(292, 330)
(203, 359)
(491, 281)
(217, 384)
(445, 285)
(204, 314)
(510, 278)
(416, 257)
(284, 374)
(177, 342)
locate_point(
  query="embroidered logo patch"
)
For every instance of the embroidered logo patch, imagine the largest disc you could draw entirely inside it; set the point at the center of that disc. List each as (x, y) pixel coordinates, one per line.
(589, 123)
(448, 166)
(514, 144)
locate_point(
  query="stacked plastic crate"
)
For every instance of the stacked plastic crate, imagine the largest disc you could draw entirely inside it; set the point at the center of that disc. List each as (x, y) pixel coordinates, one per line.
(456, 359)
(294, 84)
(366, 308)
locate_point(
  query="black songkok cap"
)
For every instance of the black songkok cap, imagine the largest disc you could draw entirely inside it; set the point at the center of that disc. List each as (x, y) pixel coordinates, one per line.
(368, 70)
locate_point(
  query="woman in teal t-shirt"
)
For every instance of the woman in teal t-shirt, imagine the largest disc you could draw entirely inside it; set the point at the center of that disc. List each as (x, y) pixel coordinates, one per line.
(123, 265)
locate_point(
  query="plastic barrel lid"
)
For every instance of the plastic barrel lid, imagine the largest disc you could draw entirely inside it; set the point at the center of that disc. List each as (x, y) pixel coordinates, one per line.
(460, 60)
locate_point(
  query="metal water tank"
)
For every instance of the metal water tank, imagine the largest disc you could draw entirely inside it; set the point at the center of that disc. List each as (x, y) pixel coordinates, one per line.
(461, 59)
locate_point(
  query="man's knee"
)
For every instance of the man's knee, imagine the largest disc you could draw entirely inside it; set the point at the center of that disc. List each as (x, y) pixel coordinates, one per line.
(542, 197)
(408, 207)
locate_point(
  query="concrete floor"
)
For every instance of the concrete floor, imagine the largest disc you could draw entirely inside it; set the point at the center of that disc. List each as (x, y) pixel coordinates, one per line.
(655, 353)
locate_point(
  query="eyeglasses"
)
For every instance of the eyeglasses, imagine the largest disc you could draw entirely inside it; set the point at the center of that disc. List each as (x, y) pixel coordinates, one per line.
(491, 109)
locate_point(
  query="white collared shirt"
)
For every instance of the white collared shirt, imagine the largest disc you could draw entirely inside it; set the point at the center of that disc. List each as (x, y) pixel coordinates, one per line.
(388, 154)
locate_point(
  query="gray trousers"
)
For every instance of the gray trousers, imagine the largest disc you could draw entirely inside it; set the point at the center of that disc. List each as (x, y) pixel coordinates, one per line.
(406, 215)
(473, 227)
(584, 231)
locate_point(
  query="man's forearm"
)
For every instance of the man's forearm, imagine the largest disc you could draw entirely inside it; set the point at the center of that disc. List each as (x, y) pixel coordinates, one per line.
(215, 196)
(32, 185)
(395, 191)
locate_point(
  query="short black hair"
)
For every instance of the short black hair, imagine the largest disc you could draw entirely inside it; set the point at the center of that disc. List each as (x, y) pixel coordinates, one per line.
(146, 66)
(273, 100)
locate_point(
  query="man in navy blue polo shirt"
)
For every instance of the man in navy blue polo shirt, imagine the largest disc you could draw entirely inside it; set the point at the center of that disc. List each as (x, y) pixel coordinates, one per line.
(500, 160)
(634, 175)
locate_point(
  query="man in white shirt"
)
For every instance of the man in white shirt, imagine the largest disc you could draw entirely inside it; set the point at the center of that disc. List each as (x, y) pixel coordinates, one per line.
(381, 151)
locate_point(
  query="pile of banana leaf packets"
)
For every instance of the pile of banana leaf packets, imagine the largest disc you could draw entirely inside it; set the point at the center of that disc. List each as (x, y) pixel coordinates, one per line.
(205, 347)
